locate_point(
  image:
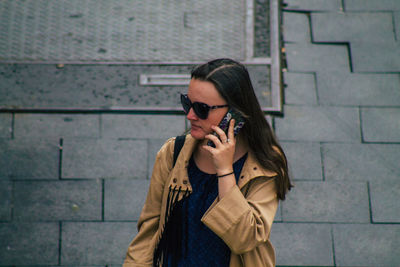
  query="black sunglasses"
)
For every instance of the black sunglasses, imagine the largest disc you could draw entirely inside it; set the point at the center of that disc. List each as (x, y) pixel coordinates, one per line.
(200, 109)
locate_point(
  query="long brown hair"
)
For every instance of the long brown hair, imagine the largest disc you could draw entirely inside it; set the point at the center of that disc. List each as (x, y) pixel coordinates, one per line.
(232, 81)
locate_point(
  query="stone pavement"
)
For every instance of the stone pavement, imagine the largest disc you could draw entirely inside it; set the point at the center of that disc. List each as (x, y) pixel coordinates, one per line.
(341, 131)
(72, 185)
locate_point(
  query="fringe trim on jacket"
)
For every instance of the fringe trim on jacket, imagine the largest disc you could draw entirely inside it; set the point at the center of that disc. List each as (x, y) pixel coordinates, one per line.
(174, 232)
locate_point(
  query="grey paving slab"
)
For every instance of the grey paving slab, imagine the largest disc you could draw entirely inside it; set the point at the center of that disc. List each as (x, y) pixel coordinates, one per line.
(86, 86)
(260, 76)
(29, 158)
(296, 27)
(327, 202)
(5, 200)
(29, 243)
(372, 5)
(5, 125)
(300, 88)
(366, 245)
(56, 125)
(313, 5)
(313, 58)
(383, 57)
(104, 158)
(57, 200)
(385, 204)
(298, 244)
(376, 27)
(303, 123)
(381, 124)
(361, 162)
(141, 126)
(396, 22)
(124, 199)
(339, 88)
(95, 243)
(304, 160)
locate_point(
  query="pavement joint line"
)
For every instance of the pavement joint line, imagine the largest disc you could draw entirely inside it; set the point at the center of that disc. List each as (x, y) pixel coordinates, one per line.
(322, 161)
(59, 243)
(322, 142)
(299, 11)
(61, 180)
(394, 26)
(307, 180)
(329, 223)
(316, 87)
(380, 143)
(385, 223)
(333, 246)
(102, 198)
(60, 158)
(370, 203)
(344, 106)
(361, 124)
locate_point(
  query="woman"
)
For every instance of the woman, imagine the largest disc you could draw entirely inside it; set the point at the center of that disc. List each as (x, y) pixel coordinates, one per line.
(216, 205)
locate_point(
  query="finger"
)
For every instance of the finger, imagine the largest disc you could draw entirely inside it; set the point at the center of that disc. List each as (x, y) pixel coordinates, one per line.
(213, 138)
(231, 134)
(221, 133)
(209, 149)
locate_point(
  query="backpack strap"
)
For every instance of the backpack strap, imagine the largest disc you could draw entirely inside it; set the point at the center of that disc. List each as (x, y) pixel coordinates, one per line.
(179, 141)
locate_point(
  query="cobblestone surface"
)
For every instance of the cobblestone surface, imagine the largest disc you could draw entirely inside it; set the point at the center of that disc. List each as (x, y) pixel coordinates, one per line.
(366, 244)
(332, 202)
(33, 243)
(5, 125)
(27, 158)
(104, 158)
(57, 201)
(381, 124)
(72, 184)
(299, 244)
(5, 200)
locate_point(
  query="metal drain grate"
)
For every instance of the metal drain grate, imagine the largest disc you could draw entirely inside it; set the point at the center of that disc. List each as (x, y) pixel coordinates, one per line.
(122, 30)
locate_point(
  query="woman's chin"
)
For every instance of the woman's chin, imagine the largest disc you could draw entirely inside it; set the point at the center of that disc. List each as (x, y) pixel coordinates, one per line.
(196, 134)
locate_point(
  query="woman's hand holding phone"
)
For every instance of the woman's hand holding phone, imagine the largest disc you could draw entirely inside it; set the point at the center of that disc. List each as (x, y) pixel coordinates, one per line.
(224, 151)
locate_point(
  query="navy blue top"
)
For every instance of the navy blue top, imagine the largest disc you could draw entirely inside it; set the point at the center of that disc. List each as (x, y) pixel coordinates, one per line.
(202, 247)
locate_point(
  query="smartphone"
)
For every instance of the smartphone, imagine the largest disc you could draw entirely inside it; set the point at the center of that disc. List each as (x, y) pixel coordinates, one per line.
(224, 124)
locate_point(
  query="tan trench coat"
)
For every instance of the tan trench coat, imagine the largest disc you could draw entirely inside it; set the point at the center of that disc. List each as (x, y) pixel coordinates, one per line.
(243, 218)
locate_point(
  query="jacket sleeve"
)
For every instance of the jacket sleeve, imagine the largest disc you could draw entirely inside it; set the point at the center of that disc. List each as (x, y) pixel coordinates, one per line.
(244, 222)
(140, 251)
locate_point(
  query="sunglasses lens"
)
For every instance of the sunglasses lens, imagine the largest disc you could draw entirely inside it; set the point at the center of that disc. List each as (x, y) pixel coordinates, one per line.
(185, 103)
(201, 110)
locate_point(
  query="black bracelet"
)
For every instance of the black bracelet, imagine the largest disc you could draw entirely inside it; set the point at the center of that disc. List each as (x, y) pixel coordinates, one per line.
(220, 176)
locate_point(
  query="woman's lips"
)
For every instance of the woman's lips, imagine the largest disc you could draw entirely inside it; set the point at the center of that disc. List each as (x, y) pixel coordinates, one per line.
(195, 127)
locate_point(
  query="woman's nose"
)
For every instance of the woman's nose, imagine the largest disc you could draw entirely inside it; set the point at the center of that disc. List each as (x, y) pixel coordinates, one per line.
(191, 115)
